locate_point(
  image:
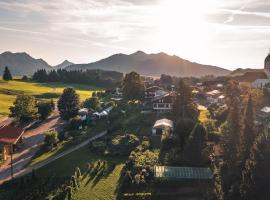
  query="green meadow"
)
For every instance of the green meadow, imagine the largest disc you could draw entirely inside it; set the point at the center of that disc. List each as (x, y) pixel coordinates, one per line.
(10, 89)
(92, 186)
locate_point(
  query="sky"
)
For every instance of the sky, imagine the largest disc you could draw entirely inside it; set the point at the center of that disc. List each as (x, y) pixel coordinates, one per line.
(226, 33)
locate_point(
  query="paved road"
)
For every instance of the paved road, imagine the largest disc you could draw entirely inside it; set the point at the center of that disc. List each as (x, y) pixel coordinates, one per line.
(33, 138)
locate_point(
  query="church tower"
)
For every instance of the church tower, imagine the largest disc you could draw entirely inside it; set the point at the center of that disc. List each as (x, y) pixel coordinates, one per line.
(267, 64)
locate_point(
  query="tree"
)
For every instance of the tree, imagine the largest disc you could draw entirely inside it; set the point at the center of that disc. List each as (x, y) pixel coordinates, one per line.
(24, 78)
(51, 138)
(231, 132)
(133, 87)
(183, 129)
(68, 104)
(7, 75)
(24, 108)
(232, 90)
(44, 109)
(183, 105)
(195, 145)
(53, 76)
(256, 175)
(248, 134)
(92, 102)
(40, 76)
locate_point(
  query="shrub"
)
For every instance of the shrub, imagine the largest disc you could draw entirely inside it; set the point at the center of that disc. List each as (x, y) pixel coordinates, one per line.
(144, 158)
(44, 109)
(124, 144)
(75, 123)
(24, 78)
(92, 103)
(51, 138)
(98, 146)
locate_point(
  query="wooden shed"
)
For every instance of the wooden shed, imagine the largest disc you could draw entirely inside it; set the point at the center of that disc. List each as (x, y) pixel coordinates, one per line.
(10, 138)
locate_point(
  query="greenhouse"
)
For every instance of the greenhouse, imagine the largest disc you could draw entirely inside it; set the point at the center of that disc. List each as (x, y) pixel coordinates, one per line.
(168, 172)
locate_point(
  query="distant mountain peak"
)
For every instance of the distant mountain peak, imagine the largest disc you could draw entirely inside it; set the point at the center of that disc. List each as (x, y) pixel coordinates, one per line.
(64, 64)
(21, 63)
(139, 53)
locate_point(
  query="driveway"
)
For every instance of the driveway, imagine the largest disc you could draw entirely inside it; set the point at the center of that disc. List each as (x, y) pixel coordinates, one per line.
(32, 140)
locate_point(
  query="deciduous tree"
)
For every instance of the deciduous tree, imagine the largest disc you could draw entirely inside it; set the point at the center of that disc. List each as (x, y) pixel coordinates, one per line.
(68, 104)
(133, 87)
(24, 108)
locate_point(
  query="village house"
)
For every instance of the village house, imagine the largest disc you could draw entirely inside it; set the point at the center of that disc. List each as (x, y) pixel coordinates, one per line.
(212, 96)
(163, 103)
(161, 125)
(153, 92)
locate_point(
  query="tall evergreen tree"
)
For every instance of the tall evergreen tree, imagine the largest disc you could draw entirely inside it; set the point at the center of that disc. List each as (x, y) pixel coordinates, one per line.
(193, 150)
(7, 75)
(183, 105)
(230, 172)
(40, 76)
(248, 134)
(68, 104)
(256, 175)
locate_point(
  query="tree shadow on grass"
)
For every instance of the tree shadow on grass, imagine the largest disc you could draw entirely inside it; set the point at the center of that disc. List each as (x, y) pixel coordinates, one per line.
(98, 177)
(92, 174)
(99, 171)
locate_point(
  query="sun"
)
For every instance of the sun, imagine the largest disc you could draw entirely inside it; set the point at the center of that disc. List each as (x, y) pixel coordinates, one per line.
(181, 26)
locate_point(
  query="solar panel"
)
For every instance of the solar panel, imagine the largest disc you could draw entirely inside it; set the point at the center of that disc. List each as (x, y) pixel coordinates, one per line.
(182, 172)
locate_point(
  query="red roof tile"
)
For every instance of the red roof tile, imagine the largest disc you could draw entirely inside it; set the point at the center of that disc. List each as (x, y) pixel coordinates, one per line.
(10, 134)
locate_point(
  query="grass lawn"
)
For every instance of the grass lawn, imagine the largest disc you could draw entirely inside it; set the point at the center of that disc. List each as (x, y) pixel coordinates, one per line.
(92, 186)
(43, 154)
(9, 90)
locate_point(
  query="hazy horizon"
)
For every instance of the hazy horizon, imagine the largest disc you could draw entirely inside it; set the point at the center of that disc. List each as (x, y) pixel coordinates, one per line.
(226, 33)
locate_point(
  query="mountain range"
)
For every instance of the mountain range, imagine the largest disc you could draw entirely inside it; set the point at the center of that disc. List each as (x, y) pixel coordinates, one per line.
(143, 63)
(24, 64)
(152, 65)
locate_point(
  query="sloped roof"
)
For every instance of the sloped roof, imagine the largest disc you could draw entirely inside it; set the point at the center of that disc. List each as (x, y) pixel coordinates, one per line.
(10, 134)
(163, 122)
(168, 172)
(252, 76)
(265, 109)
(213, 92)
(167, 98)
(153, 89)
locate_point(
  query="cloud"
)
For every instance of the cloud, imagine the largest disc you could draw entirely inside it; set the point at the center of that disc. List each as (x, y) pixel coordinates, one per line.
(123, 25)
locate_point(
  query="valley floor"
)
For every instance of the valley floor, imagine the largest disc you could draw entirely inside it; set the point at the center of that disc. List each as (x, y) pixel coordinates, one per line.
(10, 89)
